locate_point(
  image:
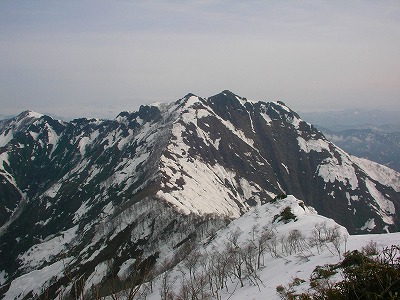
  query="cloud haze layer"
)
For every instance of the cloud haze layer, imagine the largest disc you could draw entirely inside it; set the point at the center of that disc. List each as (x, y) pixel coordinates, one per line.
(97, 58)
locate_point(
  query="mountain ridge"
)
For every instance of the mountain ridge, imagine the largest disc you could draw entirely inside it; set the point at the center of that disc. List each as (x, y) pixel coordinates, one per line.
(148, 181)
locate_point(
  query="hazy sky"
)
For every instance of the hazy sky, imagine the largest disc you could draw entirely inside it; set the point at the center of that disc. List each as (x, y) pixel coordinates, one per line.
(97, 58)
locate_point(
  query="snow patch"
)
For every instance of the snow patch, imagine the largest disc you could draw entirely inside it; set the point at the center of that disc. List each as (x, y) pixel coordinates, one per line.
(312, 145)
(296, 122)
(6, 138)
(53, 190)
(52, 136)
(286, 168)
(211, 196)
(45, 251)
(34, 115)
(192, 100)
(369, 225)
(380, 173)
(97, 276)
(384, 206)
(331, 170)
(82, 145)
(36, 280)
(249, 189)
(3, 277)
(34, 135)
(124, 270)
(82, 210)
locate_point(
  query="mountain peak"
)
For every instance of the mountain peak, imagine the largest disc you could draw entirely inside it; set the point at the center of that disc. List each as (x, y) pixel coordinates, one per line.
(228, 99)
(189, 95)
(29, 114)
(92, 195)
(229, 94)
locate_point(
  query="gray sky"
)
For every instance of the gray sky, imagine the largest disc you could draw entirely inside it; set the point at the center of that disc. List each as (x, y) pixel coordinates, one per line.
(97, 58)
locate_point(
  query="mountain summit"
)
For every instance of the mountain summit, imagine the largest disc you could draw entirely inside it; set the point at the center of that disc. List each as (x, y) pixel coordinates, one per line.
(87, 193)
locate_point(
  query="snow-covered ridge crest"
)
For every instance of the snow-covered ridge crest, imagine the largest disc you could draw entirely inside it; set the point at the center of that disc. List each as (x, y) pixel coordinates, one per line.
(226, 131)
(104, 185)
(277, 253)
(266, 217)
(260, 234)
(19, 122)
(194, 138)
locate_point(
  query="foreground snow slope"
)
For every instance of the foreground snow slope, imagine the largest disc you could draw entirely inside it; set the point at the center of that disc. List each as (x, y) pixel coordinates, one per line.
(282, 268)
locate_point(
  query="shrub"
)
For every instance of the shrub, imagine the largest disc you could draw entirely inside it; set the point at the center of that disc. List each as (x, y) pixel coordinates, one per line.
(354, 258)
(370, 249)
(323, 272)
(297, 281)
(363, 278)
(279, 197)
(286, 216)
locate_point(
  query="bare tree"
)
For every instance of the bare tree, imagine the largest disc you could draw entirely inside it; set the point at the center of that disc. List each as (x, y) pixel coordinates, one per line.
(166, 288)
(262, 245)
(272, 245)
(235, 256)
(254, 231)
(336, 239)
(296, 241)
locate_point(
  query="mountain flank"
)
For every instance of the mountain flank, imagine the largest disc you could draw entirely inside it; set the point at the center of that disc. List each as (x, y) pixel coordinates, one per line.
(81, 197)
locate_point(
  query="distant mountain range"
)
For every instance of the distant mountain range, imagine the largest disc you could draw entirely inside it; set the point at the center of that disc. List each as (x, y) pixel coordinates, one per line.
(81, 197)
(379, 146)
(374, 135)
(340, 120)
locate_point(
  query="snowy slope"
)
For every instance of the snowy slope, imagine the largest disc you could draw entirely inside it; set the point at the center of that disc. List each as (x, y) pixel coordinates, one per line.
(100, 193)
(227, 153)
(280, 268)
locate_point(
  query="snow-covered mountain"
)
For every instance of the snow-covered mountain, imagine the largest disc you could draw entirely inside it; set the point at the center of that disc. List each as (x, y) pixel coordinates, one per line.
(87, 195)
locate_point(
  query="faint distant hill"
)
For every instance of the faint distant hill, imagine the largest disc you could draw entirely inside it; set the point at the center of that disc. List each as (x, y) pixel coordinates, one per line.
(374, 135)
(381, 147)
(6, 117)
(377, 120)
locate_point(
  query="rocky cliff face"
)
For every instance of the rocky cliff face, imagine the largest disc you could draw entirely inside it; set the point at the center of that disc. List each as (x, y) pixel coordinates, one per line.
(87, 195)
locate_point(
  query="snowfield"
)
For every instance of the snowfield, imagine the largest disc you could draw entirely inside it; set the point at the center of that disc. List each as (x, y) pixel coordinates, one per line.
(98, 196)
(282, 268)
(280, 264)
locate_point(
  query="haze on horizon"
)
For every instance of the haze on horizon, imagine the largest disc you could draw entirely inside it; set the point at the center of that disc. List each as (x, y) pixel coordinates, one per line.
(97, 58)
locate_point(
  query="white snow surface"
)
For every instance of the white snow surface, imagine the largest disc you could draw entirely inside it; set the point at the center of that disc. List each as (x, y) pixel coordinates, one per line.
(43, 252)
(123, 272)
(97, 276)
(332, 170)
(6, 138)
(51, 135)
(3, 277)
(312, 145)
(264, 114)
(53, 190)
(379, 172)
(192, 100)
(369, 225)
(35, 115)
(384, 207)
(283, 269)
(36, 280)
(204, 189)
